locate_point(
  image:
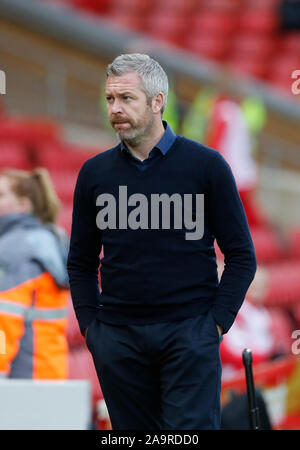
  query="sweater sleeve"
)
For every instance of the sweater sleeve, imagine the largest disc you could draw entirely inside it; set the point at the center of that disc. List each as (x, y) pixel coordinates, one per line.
(230, 228)
(83, 257)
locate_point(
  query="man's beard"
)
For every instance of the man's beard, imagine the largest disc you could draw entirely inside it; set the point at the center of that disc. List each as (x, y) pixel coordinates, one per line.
(137, 133)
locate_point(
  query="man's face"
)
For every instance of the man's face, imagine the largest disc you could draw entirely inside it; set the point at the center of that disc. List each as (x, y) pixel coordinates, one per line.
(128, 111)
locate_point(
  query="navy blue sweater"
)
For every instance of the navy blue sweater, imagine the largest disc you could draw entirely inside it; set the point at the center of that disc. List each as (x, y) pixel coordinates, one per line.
(151, 272)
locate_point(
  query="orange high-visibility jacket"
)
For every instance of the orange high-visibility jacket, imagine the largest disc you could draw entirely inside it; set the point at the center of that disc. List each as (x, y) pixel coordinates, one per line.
(33, 299)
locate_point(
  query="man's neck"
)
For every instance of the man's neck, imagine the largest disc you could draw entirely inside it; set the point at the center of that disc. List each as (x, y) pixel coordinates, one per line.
(142, 149)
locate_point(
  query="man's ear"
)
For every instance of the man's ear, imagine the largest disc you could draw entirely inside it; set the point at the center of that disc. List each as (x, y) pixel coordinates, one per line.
(157, 103)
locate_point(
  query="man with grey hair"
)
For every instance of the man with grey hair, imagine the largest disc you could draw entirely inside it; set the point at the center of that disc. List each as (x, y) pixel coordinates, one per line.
(154, 329)
(149, 91)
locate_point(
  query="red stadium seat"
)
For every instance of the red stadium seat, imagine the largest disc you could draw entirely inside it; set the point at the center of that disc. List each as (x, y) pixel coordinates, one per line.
(283, 285)
(253, 45)
(258, 21)
(169, 27)
(64, 183)
(29, 130)
(207, 21)
(94, 6)
(294, 241)
(209, 46)
(65, 217)
(271, 5)
(13, 155)
(284, 64)
(74, 159)
(280, 72)
(290, 43)
(175, 6)
(227, 5)
(62, 156)
(48, 155)
(267, 245)
(296, 314)
(128, 14)
(129, 6)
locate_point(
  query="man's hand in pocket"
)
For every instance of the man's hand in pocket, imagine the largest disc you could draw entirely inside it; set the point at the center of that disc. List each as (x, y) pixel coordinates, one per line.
(85, 332)
(220, 330)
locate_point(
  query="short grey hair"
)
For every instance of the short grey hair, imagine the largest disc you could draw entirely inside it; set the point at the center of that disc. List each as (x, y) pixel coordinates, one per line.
(153, 77)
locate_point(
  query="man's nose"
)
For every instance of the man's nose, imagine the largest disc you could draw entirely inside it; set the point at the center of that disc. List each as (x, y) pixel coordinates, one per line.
(116, 107)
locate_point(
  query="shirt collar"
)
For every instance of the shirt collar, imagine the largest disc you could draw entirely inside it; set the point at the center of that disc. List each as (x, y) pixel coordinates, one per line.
(165, 142)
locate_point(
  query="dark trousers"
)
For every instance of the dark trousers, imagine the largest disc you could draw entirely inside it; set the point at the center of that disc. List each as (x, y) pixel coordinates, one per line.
(159, 376)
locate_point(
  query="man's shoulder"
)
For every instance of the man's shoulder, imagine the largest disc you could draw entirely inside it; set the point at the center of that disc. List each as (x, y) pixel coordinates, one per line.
(197, 148)
(104, 157)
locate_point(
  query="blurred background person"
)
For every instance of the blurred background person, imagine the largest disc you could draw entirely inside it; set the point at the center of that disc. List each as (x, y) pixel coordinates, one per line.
(50, 117)
(33, 278)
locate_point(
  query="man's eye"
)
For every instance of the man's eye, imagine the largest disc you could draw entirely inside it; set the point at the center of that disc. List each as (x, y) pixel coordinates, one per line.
(127, 97)
(108, 99)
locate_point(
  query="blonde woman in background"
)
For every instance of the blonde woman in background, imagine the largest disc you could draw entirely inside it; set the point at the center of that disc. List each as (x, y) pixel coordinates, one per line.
(33, 277)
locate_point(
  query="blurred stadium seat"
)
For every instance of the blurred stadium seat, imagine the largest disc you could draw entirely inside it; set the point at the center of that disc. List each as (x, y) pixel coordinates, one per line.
(64, 183)
(176, 6)
(132, 6)
(294, 240)
(290, 43)
(266, 245)
(60, 156)
(206, 28)
(65, 217)
(258, 20)
(280, 70)
(28, 130)
(252, 45)
(220, 22)
(263, 4)
(212, 47)
(168, 26)
(13, 154)
(228, 5)
(94, 6)
(284, 286)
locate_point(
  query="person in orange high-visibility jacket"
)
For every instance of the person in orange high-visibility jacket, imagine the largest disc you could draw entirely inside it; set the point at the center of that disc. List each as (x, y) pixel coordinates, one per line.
(33, 278)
